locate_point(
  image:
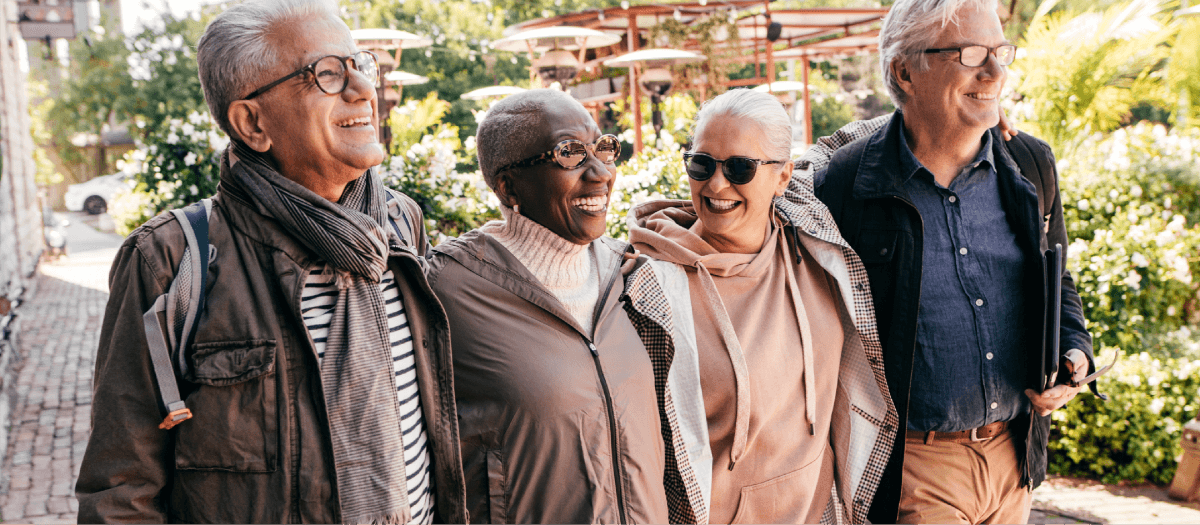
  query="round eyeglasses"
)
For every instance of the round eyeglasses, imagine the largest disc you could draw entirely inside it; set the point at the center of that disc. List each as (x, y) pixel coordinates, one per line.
(738, 170)
(571, 153)
(331, 73)
(975, 56)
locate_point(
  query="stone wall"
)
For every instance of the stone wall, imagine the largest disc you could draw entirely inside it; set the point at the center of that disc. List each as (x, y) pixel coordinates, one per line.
(20, 220)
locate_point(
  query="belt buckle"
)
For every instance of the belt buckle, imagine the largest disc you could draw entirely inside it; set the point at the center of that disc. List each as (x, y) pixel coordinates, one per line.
(975, 436)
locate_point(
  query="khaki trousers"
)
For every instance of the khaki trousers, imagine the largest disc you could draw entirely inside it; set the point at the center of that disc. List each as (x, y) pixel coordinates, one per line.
(963, 483)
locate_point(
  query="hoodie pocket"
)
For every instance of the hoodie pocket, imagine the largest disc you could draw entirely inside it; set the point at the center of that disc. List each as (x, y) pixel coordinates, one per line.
(497, 509)
(234, 425)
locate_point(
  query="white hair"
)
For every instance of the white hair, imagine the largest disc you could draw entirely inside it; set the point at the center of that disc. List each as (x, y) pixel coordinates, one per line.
(760, 108)
(911, 27)
(511, 125)
(236, 48)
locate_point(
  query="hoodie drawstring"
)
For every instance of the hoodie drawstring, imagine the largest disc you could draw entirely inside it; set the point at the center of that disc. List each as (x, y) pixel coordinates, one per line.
(810, 396)
(741, 372)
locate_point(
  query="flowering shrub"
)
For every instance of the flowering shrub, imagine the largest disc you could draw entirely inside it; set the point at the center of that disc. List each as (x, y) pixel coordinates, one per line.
(453, 202)
(1135, 435)
(175, 165)
(655, 173)
(1131, 206)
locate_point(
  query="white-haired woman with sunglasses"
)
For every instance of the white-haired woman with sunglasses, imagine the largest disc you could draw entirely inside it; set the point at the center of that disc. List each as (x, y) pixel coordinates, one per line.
(555, 394)
(773, 355)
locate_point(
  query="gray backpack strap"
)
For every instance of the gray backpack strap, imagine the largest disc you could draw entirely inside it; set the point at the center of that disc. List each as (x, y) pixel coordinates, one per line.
(180, 307)
(164, 372)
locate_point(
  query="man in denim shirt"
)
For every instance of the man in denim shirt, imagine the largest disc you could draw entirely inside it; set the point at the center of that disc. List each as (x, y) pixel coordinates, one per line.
(951, 234)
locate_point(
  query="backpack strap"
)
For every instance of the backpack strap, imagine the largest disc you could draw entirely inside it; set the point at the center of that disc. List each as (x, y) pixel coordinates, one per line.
(1035, 168)
(837, 192)
(180, 307)
(393, 201)
(164, 371)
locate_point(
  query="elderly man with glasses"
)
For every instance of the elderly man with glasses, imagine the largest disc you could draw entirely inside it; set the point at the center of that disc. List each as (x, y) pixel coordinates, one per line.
(319, 373)
(952, 220)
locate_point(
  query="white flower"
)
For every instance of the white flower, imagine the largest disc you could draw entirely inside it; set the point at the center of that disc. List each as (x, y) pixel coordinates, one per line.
(1136, 191)
(1156, 406)
(194, 189)
(1139, 260)
(1083, 205)
(172, 138)
(190, 159)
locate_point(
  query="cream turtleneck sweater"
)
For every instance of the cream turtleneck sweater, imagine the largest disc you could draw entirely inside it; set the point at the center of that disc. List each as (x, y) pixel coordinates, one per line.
(566, 269)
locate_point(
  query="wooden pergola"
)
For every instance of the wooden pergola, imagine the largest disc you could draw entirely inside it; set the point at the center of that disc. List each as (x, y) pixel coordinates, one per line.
(812, 34)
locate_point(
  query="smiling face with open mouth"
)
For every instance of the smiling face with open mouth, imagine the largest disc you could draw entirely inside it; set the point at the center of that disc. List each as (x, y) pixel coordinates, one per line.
(733, 218)
(572, 203)
(954, 98)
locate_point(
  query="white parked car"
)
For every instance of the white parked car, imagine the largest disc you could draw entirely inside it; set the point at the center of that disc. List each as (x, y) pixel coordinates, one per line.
(94, 195)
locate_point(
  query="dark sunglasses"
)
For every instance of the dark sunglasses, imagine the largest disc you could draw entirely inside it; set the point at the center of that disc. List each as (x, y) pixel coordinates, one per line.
(331, 73)
(738, 170)
(975, 56)
(571, 153)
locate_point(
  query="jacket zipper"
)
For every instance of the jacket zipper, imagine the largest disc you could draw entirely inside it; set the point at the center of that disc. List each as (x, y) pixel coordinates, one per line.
(608, 404)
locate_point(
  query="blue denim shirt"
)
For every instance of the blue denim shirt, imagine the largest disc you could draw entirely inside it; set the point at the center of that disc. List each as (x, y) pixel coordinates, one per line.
(969, 366)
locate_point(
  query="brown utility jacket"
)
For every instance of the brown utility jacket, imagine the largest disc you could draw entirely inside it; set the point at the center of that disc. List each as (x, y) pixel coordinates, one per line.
(258, 449)
(558, 425)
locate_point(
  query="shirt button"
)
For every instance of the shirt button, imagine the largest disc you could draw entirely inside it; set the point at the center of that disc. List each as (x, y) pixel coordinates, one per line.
(994, 405)
(962, 251)
(990, 356)
(979, 302)
(953, 198)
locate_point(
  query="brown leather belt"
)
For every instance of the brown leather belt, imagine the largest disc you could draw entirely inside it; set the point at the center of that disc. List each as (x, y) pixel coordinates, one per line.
(974, 435)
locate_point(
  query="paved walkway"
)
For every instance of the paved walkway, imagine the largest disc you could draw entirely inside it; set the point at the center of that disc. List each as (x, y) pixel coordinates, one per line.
(59, 328)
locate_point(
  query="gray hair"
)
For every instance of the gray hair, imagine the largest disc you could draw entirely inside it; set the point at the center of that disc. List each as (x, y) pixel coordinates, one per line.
(911, 26)
(510, 125)
(761, 108)
(236, 48)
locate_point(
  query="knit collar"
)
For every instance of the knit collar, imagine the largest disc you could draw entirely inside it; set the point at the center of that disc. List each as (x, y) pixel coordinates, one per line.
(555, 261)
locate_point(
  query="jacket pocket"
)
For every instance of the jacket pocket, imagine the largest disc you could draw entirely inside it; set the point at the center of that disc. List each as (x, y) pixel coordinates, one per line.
(497, 509)
(234, 425)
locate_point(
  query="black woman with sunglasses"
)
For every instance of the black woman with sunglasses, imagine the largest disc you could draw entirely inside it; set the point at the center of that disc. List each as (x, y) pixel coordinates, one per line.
(555, 391)
(777, 347)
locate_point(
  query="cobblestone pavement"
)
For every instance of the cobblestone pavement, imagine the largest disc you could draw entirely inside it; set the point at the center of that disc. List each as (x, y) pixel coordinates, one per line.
(59, 326)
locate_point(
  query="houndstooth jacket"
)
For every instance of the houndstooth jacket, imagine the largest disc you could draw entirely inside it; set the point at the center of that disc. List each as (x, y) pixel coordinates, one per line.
(865, 421)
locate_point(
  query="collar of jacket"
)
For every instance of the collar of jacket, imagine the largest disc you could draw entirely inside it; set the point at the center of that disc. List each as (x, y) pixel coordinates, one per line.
(485, 256)
(882, 174)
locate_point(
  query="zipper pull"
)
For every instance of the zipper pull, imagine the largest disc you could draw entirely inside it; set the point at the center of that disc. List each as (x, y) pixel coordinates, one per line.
(592, 347)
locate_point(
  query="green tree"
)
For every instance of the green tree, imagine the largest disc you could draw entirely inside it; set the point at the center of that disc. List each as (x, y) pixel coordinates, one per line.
(1084, 73)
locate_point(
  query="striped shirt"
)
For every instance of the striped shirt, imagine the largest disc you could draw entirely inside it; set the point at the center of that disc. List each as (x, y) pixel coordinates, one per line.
(317, 303)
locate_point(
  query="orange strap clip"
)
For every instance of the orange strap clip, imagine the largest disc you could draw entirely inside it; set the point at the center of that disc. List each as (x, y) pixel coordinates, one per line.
(175, 417)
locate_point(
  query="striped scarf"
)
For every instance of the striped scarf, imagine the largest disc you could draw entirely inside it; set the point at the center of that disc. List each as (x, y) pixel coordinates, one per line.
(352, 237)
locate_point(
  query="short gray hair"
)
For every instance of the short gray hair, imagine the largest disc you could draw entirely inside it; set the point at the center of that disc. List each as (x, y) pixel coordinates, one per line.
(511, 125)
(910, 27)
(760, 108)
(236, 48)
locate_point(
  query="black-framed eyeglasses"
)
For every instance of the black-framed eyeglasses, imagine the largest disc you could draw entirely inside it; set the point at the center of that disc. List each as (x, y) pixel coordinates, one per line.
(975, 56)
(738, 170)
(571, 153)
(331, 73)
